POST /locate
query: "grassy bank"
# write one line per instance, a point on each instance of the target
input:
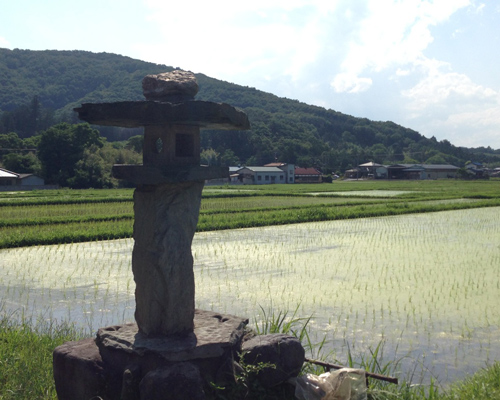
(26, 358)
(26, 369)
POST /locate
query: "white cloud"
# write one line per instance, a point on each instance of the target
(480, 8)
(323, 52)
(4, 42)
(470, 129)
(394, 34)
(227, 39)
(448, 89)
(350, 83)
(481, 118)
(484, 117)
(449, 105)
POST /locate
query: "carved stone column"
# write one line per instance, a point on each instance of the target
(165, 222)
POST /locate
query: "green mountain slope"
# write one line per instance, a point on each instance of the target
(282, 129)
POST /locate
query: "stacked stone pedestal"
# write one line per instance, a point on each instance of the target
(124, 364)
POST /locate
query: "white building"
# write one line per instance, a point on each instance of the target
(261, 175)
(288, 169)
(13, 181)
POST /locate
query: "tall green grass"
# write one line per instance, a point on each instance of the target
(26, 358)
(26, 365)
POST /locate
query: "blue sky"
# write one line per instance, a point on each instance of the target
(430, 65)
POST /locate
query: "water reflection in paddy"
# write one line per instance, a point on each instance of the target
(427, 285)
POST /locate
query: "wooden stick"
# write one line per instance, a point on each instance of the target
(389, 379)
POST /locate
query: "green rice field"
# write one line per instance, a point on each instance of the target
(71, 216)
(426, 285)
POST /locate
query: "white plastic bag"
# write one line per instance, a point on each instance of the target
(342, 384)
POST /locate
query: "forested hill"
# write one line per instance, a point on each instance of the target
(40, 88)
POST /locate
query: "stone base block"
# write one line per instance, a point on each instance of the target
(284, 352)
(115, 364)
(123, 364)
(178, 382)
(79, 372)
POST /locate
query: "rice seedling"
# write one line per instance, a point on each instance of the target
(68, 283)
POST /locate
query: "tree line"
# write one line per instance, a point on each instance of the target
(41, 88)
(69, 155)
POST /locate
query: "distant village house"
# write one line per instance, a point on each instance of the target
(402, 171)
(273, 173)
(422, 171)
(13, 181)
(308, 175)
(288, 169)
(261, 175)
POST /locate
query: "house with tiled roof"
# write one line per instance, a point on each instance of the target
(372, 170)
(476, 169)
(422, 171)
(308, 175)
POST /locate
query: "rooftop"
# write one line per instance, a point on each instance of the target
(306, 171)
(7, 174)
(264, 169)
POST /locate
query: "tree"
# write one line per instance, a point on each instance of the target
(379, 152)
(22, 164)
(27, 120)
(408, 159)
(113, 155)
(10, 141)
(209, 157)
(289, 154)
(90, 171)
(348, 137)
(229, 159)
(62, 146)
(135, 143)
(7, 122)
(34, 115)
(436, 159)
(43, 86)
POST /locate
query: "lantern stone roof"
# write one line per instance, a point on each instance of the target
(133, 114)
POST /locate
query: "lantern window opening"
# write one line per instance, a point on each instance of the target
(184, 145)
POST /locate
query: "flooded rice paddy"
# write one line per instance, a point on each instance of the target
(426, 285)
(365, 193)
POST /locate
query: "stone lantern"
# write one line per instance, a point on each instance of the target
(168, 329)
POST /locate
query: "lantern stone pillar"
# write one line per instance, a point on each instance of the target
(165, 222)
